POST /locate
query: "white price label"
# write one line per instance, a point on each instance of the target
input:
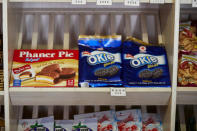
(104, 2)
(132, 2)
(78, 2)
(194, 3)
(157, 1)
(118, 91)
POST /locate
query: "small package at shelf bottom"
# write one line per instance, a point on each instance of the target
(44, 124)
(44, 68)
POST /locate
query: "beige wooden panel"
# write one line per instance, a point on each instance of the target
(186, 95)
(88, 96)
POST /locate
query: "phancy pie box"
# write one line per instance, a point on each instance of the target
(44, 68)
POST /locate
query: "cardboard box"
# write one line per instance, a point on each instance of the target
(45, 68)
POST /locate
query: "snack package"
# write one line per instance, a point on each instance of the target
(99, 61)
(187, 69)
(44, 68)
(63, 125)
(151, 122)
(46, 124)
(87, 124)
(144, 65)
(187, 36)
(106, 120)
(129, 120)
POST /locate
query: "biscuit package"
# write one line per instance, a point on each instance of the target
(144, 65)
(106, 120)
(151, 122)
(129, 120)
(63, 125)
(187, 69)
(41, 124)
(44, 68)
(99, 61)
(86, 124)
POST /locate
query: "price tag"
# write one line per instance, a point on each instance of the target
(157, 1)
(118, 92)
(194, 3)
(78, 2)
(104, 2)
(132, 2)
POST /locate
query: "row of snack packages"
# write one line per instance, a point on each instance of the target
(187, 62)
(101, 61)
(127, 120)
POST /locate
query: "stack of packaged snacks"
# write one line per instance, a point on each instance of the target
(44, 68)
(151, 122)
(187, 63)
(106, 120)
(144, 64)
(99, 61)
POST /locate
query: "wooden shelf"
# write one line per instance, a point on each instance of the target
(186, 1)
(88, 96)
(116, 1)
(1, 97)
(187, 95)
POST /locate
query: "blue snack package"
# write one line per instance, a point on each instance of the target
(99, 61)
(144, 65)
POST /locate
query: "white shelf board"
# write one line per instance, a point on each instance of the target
(116, 1)
(187, 95)
(1, 97)
(88, 96)
(186, 1)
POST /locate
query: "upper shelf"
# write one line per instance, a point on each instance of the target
(186, 1)
(116, 1)
(88, 96)
(187, 95)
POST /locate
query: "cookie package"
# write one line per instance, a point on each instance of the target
(86, 124)
(44, 124)
(129, 120)
(63, 125)
(44, 68)
(144, 65)
(99, 61)
(106, 119)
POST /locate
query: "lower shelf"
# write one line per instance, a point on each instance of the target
(187, 95)
(1, 97)
(88, 96)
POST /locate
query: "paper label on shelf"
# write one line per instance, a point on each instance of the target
(194, 3)
(157, 1)
(118, 91)
(104, 2)
(132, 2)
(78, 2)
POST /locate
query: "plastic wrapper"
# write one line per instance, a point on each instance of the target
(99, 61)
(144, 65)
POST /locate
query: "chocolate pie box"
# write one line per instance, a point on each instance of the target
(45, 68)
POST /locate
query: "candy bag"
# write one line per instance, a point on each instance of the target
(187, 69)
(89, 124)
(106, 120)
(144, 65)
(99, 61)
(63, 125)
(129, 120)
(151, 122)
(46, 124)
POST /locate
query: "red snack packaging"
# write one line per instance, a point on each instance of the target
(187, 69)
(45, 68)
